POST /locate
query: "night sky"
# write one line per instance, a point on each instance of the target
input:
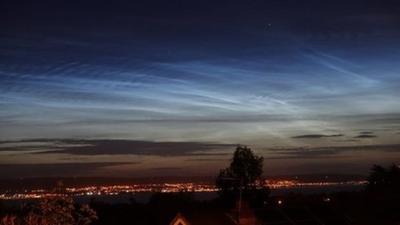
(169, 88)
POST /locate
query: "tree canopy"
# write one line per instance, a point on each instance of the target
(242, 176)
(384, 179)
(246, 166)
(52, 211)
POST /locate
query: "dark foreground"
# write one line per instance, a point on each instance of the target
(378, 203)
(341, 208)
(338, 208)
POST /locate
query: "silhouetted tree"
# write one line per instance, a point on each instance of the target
(384, 179)
(243, 176)
(383, 193)
(53, 211)
(59, 211)
(9, 220)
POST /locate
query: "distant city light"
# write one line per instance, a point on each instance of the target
(161, 187)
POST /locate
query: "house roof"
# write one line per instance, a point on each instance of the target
(179, 220)
(201, 217)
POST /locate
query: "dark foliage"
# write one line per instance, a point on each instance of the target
(51, 211)
(384, 180)
(243, 177)
(383, 192)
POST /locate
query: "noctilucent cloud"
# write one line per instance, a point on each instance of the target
(308, 85)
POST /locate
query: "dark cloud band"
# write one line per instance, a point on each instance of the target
(55, 169)
(318, 136)
(119, 147)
